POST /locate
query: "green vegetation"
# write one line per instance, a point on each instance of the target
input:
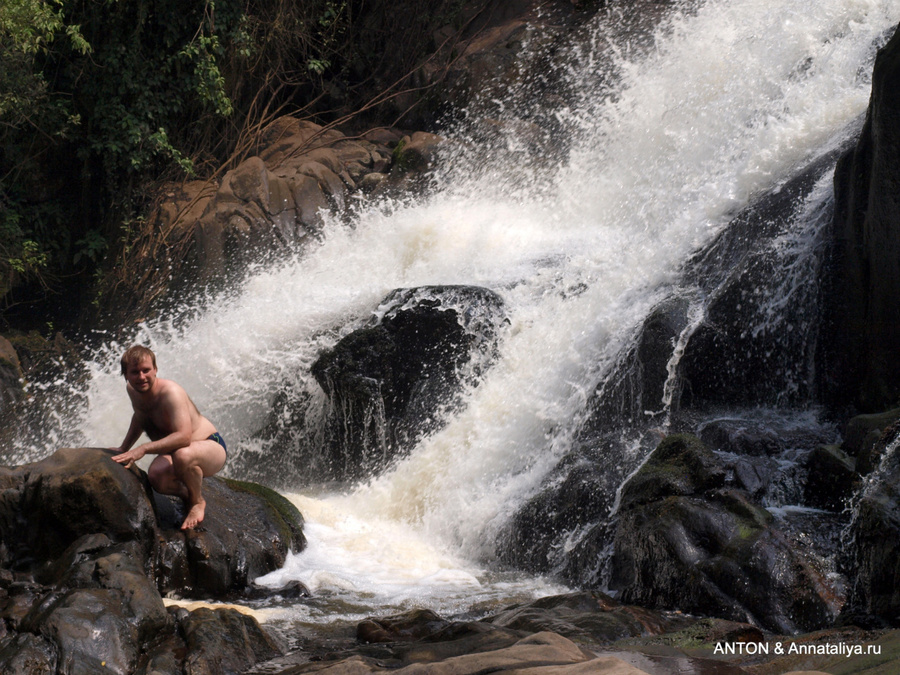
(101, 101)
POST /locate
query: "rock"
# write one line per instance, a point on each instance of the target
(587, 617)
(685, 543)
(98, 607)
(860, 430)
(741, 352)
(11, 376)
(74, 492)
(224, 641)
(164, 658)
(635, 393)
(248, 532)
(862, 304)
(78, 516)
(576, 499)
(201, 233)
(874, 448)
(28, 654)
(413, 625)
(90, 630)
(874, 545)
(393, 381)
(539, 653)
(417, 152)
(865, 438)
(830, 479)
(741, 438)
(681, 465)
(93, 562)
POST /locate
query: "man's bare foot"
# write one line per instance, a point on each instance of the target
(195, 515)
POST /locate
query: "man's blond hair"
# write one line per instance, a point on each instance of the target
(136, 354)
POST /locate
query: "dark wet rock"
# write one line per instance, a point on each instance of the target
(93, 592)
(576, 499)
(587, 616)
(874, 548)
(293, 590)
(681, 465)
(224, 641)
(394, 380)
(635, 393)
(81, 497)
(863, 307)
(166, 657)
(90, 628)
(866, 437)
(687, 544)
(92, 562)
(464, 649)
(870, 456)
(75, 492)
(28, 654)
(743, 352)
(413, 625)
(524, 638)
(741, 438)
(831, 478)
(578, 496)
(864, 430)
(21, 596)
(248, 532)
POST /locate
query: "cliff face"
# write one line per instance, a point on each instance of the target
(861, 368)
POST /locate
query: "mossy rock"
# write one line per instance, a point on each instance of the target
(285, 515)
(681, 465)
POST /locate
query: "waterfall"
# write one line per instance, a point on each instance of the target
(656, 150)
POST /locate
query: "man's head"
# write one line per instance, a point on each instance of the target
(139, 367)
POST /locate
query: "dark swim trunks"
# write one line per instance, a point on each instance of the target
(217, 437)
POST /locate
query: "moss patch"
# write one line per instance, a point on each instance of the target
(285, 515)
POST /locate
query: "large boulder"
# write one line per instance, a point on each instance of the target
(686, 541)
(86, 548)
(77, 495)
(272, 203)
(50, 504)
(393, 381)
(860, 346)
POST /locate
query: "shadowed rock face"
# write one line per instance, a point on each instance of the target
(860, 355)
(394, 381)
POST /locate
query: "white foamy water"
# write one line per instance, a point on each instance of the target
(731, 99)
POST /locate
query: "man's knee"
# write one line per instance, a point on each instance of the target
(184, 459)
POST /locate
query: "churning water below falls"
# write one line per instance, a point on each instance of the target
(663, 149)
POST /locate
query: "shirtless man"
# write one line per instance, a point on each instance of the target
(187, 445)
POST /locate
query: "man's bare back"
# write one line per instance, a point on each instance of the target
(187, 445)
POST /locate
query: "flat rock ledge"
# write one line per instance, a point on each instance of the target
(583, 633)
(87, 551)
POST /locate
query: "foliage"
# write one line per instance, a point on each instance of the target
(100, 99)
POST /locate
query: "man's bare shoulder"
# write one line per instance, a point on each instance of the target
(170, 391)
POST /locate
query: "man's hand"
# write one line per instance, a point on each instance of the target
(130, 457)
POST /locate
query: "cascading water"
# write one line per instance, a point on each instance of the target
(661, 151)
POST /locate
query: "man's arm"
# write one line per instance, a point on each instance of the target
(135, 429)
(175, 407)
